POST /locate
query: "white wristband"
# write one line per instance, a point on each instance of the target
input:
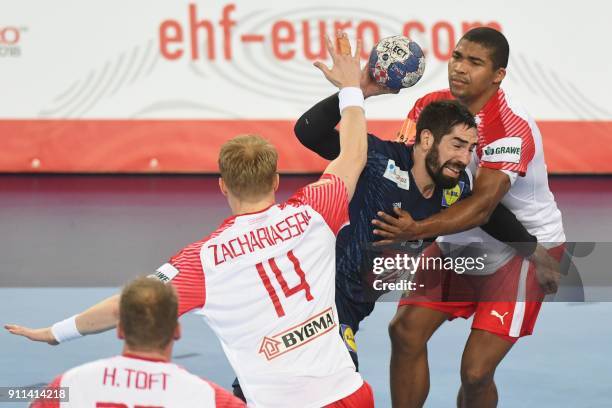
(65, 330)
(350, 96)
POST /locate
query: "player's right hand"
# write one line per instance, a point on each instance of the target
(346, 70)
(43, 335)
(370, 87)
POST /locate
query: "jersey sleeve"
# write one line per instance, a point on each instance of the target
(328, 197)
(184, 271)
(510, 148)
(316, 129)
(49, 403)
(225, 399)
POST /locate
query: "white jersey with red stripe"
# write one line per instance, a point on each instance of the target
(130, 381)
(509, 140)
(264, 282)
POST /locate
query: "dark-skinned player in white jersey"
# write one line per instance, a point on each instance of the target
(510, 170)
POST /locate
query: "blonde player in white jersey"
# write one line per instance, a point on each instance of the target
(143, 376)
(264, 280)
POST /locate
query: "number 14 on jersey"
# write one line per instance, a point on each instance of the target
(301, 286)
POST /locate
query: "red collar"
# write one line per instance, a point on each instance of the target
(137, 357)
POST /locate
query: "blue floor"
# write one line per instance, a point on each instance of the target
(567, 363)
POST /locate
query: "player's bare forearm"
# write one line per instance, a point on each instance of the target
(490, 187)
(100, 317)
(466, 214)
(346, 74)
(353, 146)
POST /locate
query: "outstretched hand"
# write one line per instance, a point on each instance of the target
(42, 335)
(346, 70)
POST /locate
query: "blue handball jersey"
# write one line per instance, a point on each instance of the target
(386, 182)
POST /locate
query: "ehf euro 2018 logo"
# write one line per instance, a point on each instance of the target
(10, 41)
(290, 339)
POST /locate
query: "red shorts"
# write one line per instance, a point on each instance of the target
(362, 398)
(494, 299)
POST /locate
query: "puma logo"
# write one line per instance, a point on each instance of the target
(501, 317)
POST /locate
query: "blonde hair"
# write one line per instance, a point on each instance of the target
(247, 164)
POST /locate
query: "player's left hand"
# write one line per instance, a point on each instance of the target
(393, 229)
(548, 270)
(44, 335)
(346, 69)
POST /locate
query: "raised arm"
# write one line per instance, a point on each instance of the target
(316, 128)
(346, 75)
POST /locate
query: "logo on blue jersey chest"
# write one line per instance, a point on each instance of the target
(398, 176)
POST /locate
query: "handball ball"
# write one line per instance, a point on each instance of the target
(396, 62)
